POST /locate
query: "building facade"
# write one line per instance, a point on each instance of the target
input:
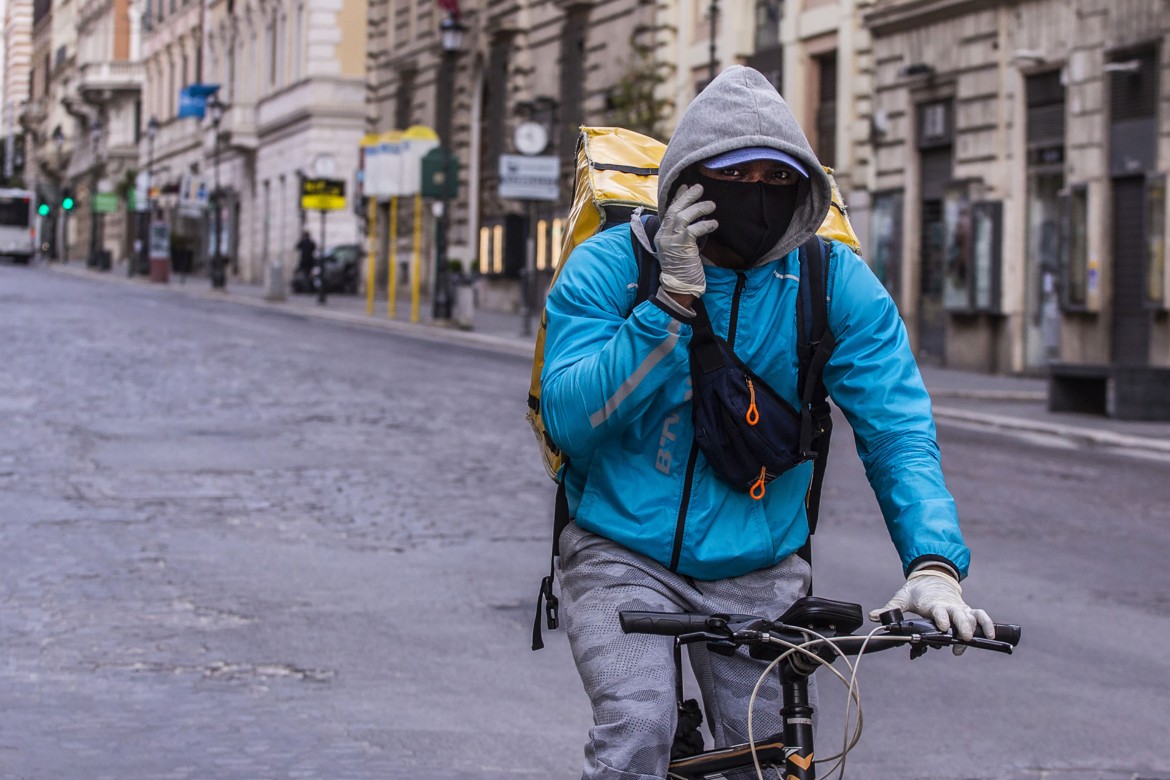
(172, 155)
(103, 95)
(292, 75)
(1018, 189)
(559, 64)
(51, 132)
(17, 46)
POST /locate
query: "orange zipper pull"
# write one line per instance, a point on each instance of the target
(753, 414)
(757, 491)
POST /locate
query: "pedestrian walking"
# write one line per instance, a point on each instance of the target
(655, 526)
(307, 249)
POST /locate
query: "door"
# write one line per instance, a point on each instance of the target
(1130, 339)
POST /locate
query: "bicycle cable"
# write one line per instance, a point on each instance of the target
(853, 693)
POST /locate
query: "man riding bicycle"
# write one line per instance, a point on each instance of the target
(654, 527)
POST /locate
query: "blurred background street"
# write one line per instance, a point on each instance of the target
(241, 541)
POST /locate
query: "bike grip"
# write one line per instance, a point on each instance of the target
(1004, 632)
(662, 623)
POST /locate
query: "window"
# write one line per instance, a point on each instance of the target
(826, 110)
(767, 24)
(972, 237)
(885, 250)
(1045, 97)
(404, 98)
(934, 124)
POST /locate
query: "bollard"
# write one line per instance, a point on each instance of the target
(463, 307)
(274, 290)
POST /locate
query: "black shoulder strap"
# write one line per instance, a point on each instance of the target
(648, 271)
(547, 604)
(545, 598)
(815, 344)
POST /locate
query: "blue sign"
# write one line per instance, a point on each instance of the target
(193, 99)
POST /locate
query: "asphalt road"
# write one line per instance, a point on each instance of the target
(237, 543)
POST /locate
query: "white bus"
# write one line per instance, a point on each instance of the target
(17, 225)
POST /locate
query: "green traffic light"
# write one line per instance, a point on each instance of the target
(43, 209)
(67, 204)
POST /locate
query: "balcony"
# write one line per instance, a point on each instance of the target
(237, 129)
(100, 81)
(312, 97)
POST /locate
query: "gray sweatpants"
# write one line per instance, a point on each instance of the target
(629, 678)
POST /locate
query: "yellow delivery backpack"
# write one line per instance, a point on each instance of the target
(617, 172)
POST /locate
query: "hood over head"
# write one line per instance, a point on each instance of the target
(741, 109)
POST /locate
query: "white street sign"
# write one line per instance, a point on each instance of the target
(534, 177)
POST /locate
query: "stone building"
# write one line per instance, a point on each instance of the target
(103, 96)
(292, 75)
(174, 153)
(558, 64)
(1018, 186)
(51, 133)
(17, 77)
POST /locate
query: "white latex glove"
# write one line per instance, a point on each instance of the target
(678, 249)
(936, 595)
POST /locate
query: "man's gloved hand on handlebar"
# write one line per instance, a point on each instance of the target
(935, 594)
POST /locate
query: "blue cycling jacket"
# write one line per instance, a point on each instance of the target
(616, 399)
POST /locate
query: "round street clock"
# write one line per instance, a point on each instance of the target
(324, 166)
(530, 138)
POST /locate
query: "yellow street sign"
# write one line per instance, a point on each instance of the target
(323, 195)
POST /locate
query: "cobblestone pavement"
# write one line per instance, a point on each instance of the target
(217, 525)
(240, 544)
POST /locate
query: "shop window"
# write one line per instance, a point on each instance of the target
(971, 246)
(884, 252)
(986, 240)
(1075, 254)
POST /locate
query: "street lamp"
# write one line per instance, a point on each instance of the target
(451, 40)
(59, 142)
(218, 262)
(145, 217)
(95, 140)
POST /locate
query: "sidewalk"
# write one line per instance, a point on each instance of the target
(1008, 403)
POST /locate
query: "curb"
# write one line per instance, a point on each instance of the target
(991, 395)
(438, 334)
(1087, 435)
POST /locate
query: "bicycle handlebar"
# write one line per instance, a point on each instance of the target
(752, 630)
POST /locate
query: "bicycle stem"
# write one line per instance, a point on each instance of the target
(798, 725)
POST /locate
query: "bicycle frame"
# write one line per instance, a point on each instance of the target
(790, 753)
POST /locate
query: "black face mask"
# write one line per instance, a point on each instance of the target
(752, 217)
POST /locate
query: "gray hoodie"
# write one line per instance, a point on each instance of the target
(741, 108)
